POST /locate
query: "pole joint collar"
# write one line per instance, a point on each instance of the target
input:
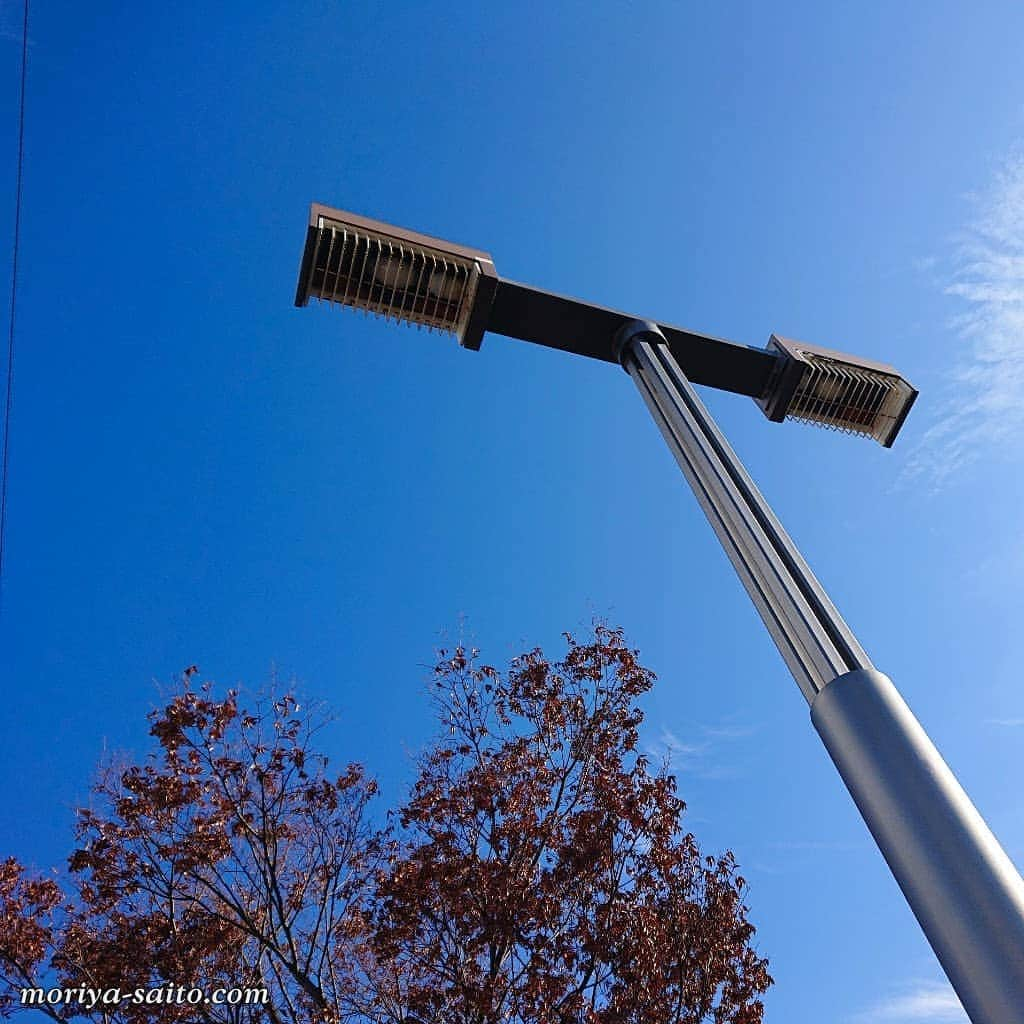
(646, 330)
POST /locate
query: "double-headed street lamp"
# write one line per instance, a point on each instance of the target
(965, 892)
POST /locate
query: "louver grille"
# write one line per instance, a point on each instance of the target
(394, 274)
(392, 280)
(838, 392)
(847, 398)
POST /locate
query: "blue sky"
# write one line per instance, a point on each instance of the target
(201, 473)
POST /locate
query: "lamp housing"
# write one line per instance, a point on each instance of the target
(396, 274)
(837, 391)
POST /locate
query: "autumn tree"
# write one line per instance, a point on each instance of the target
(538, 872)
(544, 875)
(230, 857)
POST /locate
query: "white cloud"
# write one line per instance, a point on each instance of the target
(701, 759)
(927, 1002)
(678, 755)
(729, 732)
(984, 408)
(1008, 723)
(813, 845)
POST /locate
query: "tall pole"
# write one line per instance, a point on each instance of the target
(962, 887)
(964, 890)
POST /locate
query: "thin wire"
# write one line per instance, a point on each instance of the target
(14, 298)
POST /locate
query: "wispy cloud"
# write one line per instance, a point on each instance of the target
(788, 856)
(814, 845)
(678, 756)
(928, 1002)
(1007, 723)
(729, 732)
(983, 410)
(701, 757)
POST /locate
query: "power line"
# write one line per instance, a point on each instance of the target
(14, 298)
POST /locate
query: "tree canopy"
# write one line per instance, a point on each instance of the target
(538, 871)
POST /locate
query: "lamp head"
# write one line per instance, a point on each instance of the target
(397, 274)
(837, 391)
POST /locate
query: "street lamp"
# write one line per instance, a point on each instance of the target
(965, 892)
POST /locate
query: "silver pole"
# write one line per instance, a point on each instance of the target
(963, 888)
(965, 892)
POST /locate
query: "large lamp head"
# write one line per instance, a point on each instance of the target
(836, 391)
(396, 274)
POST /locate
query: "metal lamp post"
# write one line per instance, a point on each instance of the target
(965, 892)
